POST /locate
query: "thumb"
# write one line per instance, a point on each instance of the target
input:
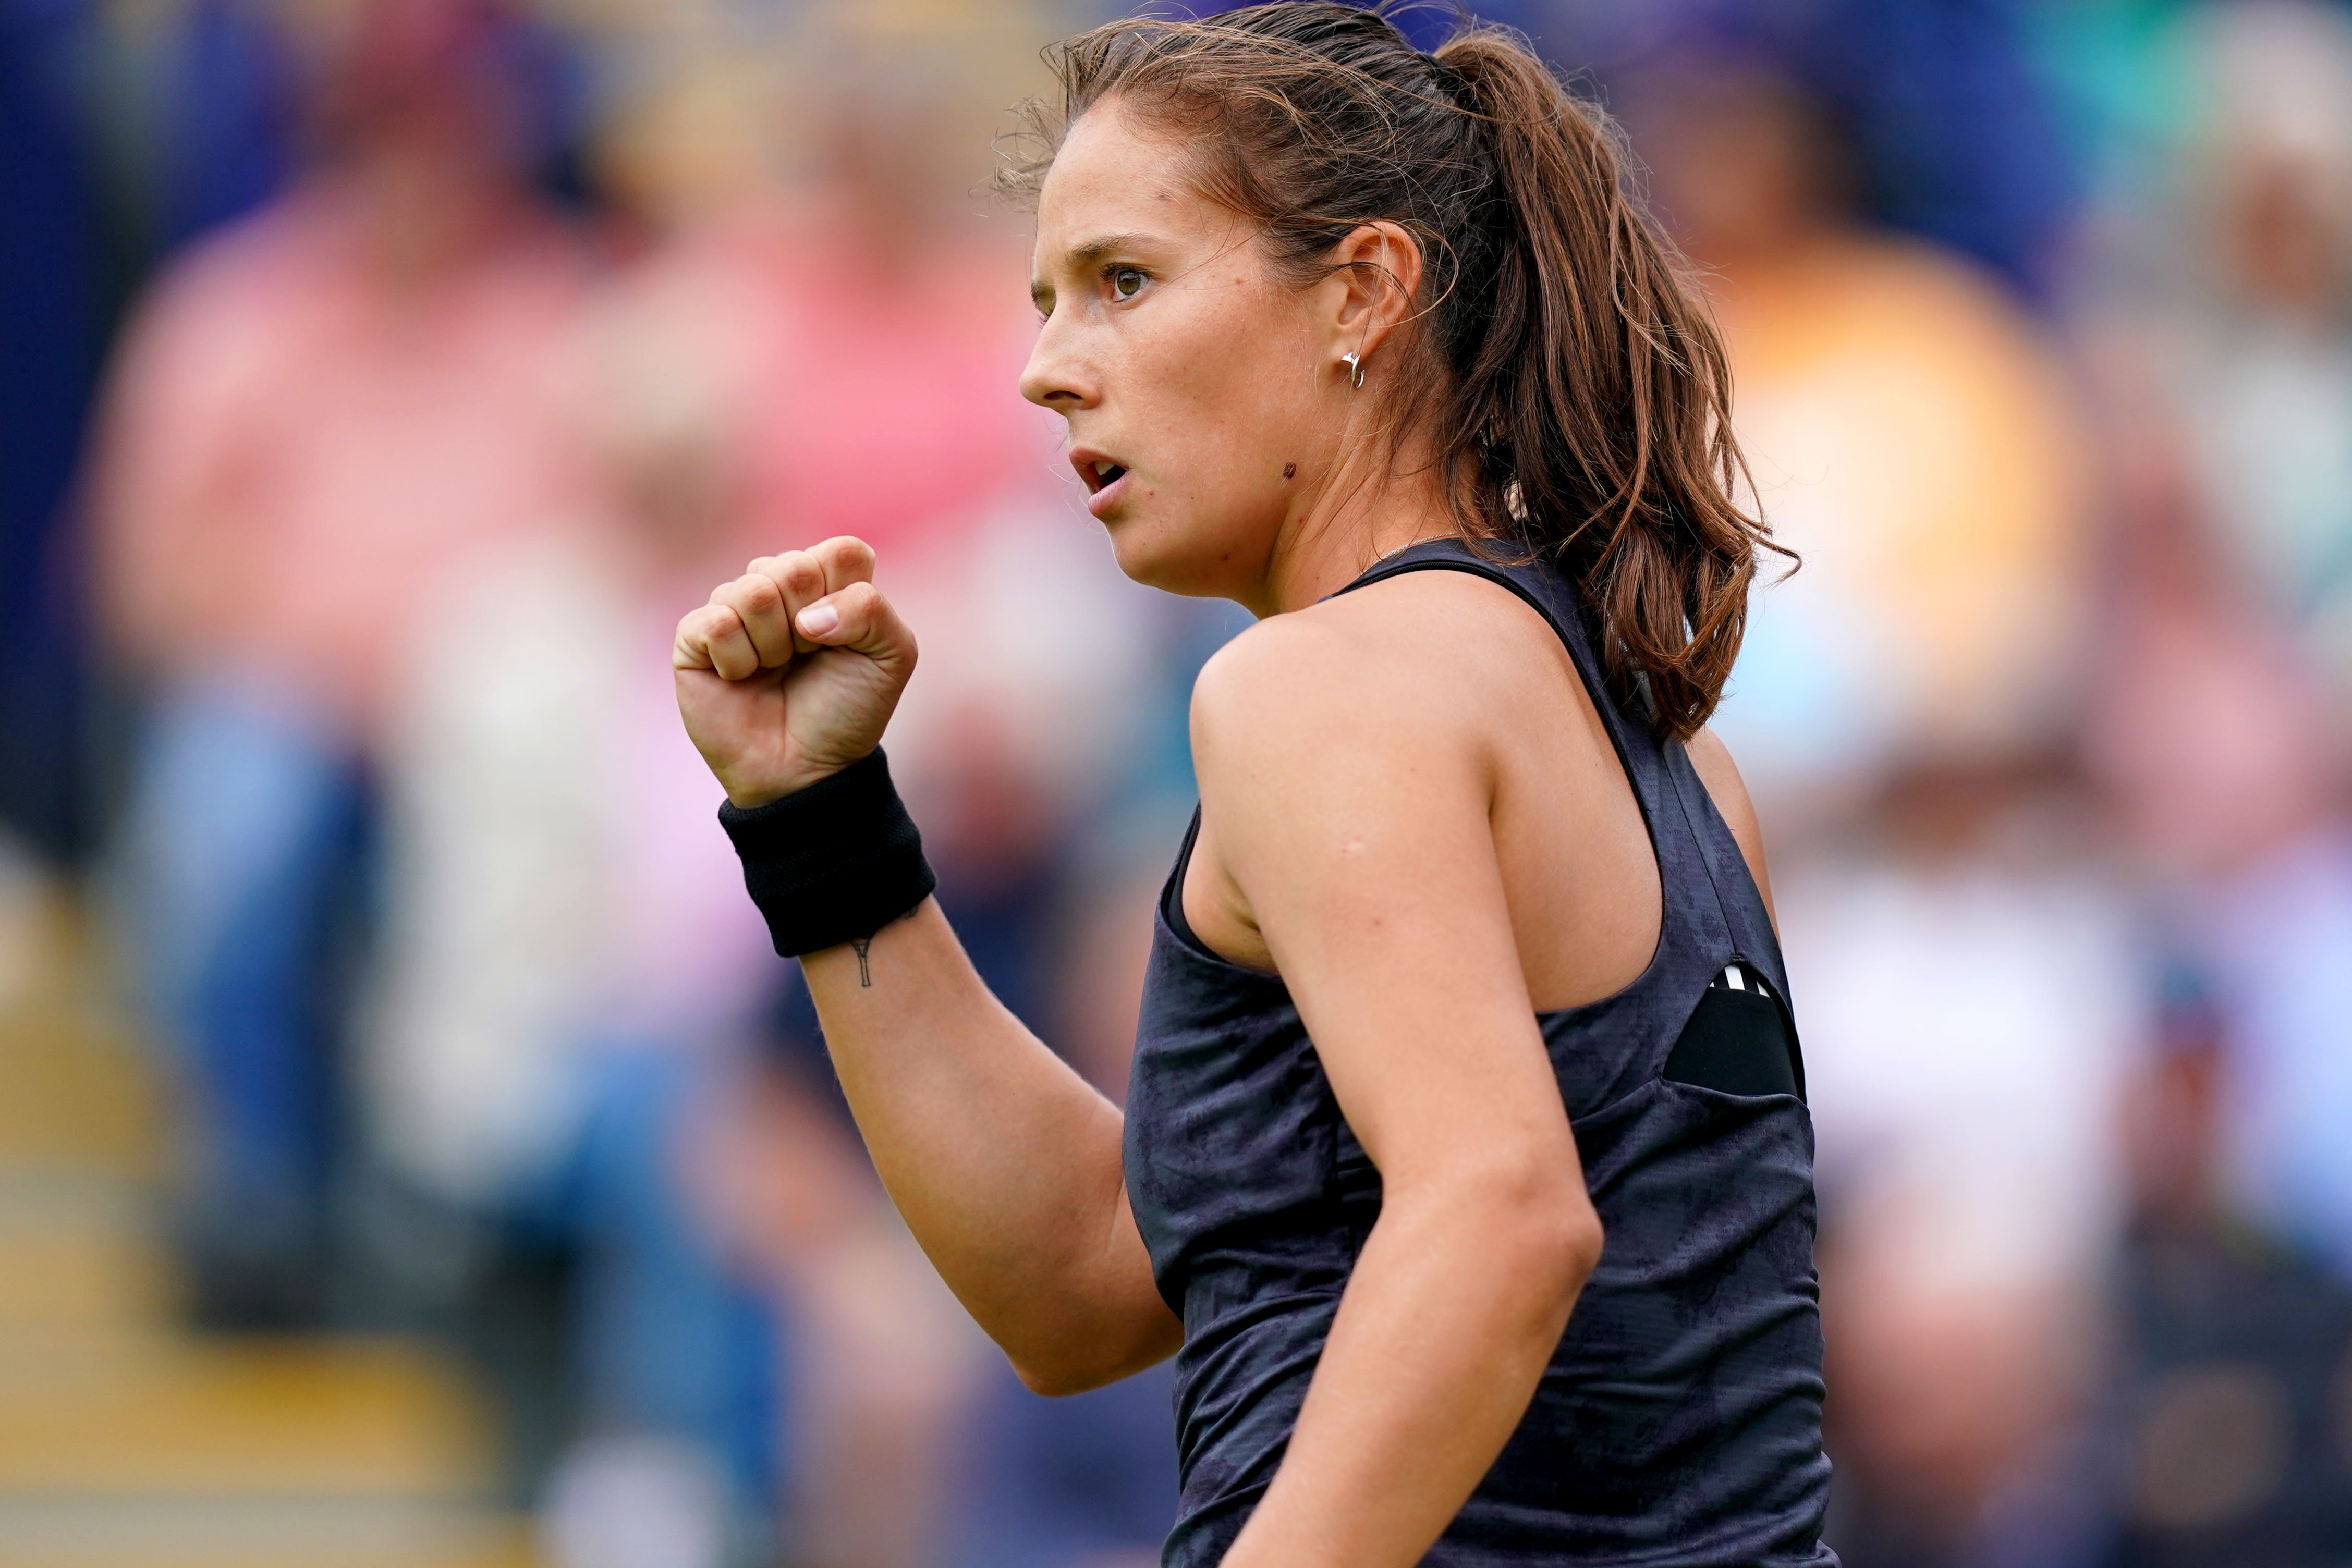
(860, 620)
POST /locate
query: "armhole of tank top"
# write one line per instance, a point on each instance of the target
(1172, 897)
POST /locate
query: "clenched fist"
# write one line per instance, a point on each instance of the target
(790, 672)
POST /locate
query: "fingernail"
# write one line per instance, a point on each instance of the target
(818, 620)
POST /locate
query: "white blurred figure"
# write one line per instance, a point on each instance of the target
(1972, 991)
(569, 975)
(635, 1502)
(553, 879)
(2255, 348)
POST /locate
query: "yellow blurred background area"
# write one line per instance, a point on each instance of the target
(412, 1154)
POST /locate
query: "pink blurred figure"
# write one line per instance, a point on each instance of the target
(318, 411)
(318, 415)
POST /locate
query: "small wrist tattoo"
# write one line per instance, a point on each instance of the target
(864, 946)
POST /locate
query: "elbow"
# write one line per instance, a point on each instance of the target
(1060, 1376)
(1077, 1361)
(1559, 1238)
(1055, 1380)
(1540, 1223)
(1579, 1248)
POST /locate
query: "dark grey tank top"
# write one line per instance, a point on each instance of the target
(1679, 1422)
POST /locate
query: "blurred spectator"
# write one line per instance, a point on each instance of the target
(568, 967)
(1908, 436)
(2224, 344)
(1971, 998)
(2249, 328)
(2218, 325)
(2219, 748)
(2230, 1441)
(315, 414)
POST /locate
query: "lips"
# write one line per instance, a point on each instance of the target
(1099, 472)
(1103, 477)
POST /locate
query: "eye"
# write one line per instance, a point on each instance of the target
(1125, 282)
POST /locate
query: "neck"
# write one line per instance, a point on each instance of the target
(426, 217)
(1368, 508)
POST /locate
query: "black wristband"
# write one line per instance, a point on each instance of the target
(832, 863)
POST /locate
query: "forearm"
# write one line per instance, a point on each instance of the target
(1448, 1321)
(1004, 1161)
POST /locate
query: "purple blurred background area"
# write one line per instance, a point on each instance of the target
(411, 1153)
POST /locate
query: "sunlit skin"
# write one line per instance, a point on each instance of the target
(1411, 812)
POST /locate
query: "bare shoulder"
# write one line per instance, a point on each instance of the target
(1348, 757)
(1711, 759)
(1409, 662)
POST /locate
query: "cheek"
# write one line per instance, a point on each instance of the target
(1230, 391)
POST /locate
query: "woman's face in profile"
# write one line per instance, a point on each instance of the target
(1200, 390)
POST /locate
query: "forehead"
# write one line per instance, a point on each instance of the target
(1115, 175)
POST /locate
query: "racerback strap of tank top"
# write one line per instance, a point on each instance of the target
(1732, 890)
(1660, 774)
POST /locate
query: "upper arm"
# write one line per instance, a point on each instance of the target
(1348, 795)
(177, 397)
(1712, 760)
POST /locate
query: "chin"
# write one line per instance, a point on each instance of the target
(1141, 551)
(1161, 553)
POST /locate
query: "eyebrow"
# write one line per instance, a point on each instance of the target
(1086, 255)
(1096, 249)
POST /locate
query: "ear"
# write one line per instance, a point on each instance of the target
(1377, 278)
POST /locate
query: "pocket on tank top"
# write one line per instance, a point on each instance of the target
(1740, 1040)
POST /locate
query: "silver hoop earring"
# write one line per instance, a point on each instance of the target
(1355, 367)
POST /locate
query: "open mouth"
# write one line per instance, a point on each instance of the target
(1101, 475)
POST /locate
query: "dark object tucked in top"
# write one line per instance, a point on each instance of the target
(1739, 1039)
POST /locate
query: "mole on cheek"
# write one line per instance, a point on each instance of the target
(1290, 470)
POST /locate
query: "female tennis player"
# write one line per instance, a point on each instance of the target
(1464, 1170)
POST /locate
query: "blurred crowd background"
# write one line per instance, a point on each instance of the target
(396, 1086)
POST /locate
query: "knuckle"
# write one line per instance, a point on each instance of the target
(760, 593)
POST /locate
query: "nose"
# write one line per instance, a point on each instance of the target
(1056, 376)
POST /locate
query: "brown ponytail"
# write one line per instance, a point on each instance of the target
(1576, 394)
